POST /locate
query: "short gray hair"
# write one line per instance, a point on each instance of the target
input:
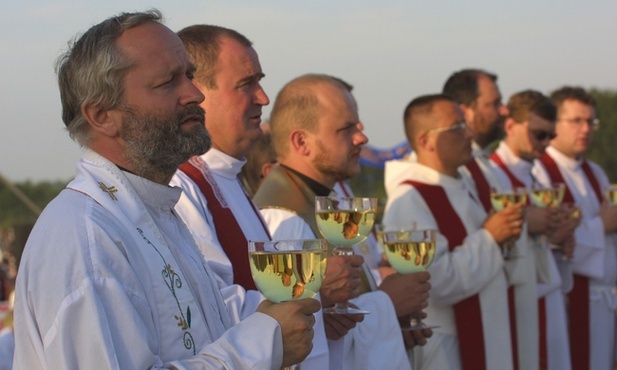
(92, 69)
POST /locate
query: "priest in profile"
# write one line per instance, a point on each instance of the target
(110, 277)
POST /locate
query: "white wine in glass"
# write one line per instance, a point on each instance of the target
(611, 194)
(550, 197)
(408, 252)
(501, 200)
(285, 270)
(547, 197)
(345, 222)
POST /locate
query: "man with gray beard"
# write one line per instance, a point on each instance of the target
(110, 277)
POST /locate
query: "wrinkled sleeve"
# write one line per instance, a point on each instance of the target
(239, 348)
(285, 224)
(116, 336)
(90, 311)
(376, 343)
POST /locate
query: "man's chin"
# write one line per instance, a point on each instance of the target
(582, 147)
(356, 171)
(466, 158)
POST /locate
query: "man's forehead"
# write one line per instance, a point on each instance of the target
(447, 107)
(487, 88)
(147, 34)
(575, 105)
(233, 54)
(444, 113)
(154, 45)
(330, 95)
(536, 121)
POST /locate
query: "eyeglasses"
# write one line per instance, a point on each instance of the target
(593, 123)
(542, 135)
(462, 125)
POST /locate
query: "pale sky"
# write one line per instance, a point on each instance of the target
(390, 50)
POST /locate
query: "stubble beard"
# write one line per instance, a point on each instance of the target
(156, 145)
(323, 164)
(484, 139)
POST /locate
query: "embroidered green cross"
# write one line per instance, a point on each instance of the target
(109, 190)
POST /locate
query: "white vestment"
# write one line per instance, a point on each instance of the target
(475, 267)
(595, 255)
(558, 348)
(376, 342)
(520, 271)
(7, 348)
(193, 209)
(111, 279)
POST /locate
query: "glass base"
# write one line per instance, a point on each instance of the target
(420, 326)
(344, 311)
(509, 252)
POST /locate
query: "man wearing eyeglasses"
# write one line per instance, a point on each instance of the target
(469, 288)
(593, 299)
(480, 100)
(528, 130)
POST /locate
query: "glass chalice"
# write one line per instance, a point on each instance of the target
(284, 270)
(501, 200)
(550, 197)
(547, 197)
(408, 252)
(345, 222)
(611, 194)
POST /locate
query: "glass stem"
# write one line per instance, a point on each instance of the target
(341, 307)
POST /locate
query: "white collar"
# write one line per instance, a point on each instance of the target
(153, 194)
(564, 160)
(477, 151)
(428, 175)
(103, 181)
(223, 164)
(518, 165)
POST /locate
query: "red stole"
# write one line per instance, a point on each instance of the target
(468, 312)
(344, 188)
(578, 298)
(516, 183)
(482, 185)
(228, 232)
(555, 174)
(592, 180)
(542, 338)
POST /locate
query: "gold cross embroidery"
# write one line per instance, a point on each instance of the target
(109, 190)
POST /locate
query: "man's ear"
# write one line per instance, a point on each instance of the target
(508, 124)
(423, 141)
(468, 112)
(266, 168)
(101, 119)
(299, 142)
